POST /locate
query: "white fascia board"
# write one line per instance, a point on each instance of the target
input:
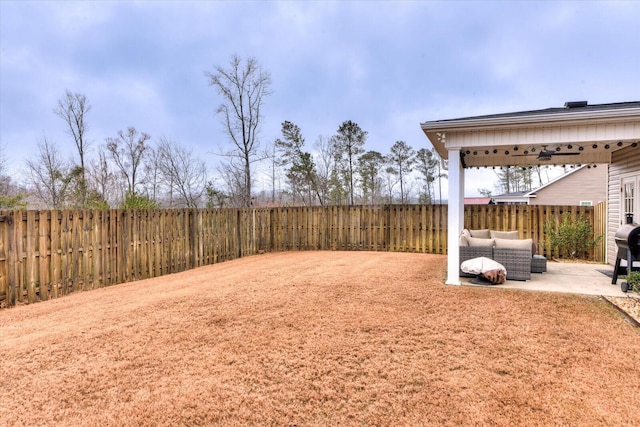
(532, 120)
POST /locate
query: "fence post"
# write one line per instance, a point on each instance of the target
(239, 232)
(12, 259)
(387, 234)
(271, 245)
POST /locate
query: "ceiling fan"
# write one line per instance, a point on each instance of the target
(545, 154)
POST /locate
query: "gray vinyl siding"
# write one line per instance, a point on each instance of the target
(586, 184)
(623, 162)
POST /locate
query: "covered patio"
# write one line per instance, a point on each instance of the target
(576, 134)
(570, 278)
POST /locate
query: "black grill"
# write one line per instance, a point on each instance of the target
(627, 240)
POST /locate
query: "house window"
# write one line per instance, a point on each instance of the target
(630, 200)
(586, 203)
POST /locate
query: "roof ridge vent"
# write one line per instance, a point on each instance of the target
(575, 104)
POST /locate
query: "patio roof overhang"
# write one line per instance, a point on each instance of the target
(514, 139)
(576, 134)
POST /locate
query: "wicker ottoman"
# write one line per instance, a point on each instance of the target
(538, 264)
(516, 261)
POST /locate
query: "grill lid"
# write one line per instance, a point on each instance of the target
(628, 237)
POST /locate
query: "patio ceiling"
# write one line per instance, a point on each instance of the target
(580, 134)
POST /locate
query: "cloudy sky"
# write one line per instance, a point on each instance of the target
(388, 66)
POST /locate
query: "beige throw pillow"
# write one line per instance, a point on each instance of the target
(480, 234)
(484, 243)
(504, 234)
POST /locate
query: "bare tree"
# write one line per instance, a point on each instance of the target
(275, 165)
(155, 185)
(49, 176)
(127, 151)
(102, 178)
(325, 165)
(73, 108)
(243, 87)
(232, 174)
(183, 173)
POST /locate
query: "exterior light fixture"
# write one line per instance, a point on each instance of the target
(515, 148)
(580, 148)
(475, 153)
(495, 151)
(594, 146)
(557, 148)
(486, 151)
(569, 146)
(619, 144)
(634, 145)
(506, 152)
(606, 146)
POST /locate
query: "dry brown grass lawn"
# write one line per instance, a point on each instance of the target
(317, 338)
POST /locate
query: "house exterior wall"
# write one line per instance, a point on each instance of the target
(625, 162)
(581, 186)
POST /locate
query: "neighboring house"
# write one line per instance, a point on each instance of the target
(583, 186)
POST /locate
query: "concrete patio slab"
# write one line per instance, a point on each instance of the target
(568, 277)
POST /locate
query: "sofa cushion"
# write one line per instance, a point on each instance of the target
(514, 244)
(480, 234)
(504, 234)
(477, 242)
(462, 240)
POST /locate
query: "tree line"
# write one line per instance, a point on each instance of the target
(132, 170)
(335, 170)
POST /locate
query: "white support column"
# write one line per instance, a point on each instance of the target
(455, 216)
(461, 202)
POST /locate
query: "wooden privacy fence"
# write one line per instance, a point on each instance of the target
(47, 254)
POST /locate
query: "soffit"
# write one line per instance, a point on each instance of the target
(509, 140)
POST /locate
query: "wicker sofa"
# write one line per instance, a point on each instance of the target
(518, 256)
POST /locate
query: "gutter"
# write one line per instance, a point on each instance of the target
(564, 118)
